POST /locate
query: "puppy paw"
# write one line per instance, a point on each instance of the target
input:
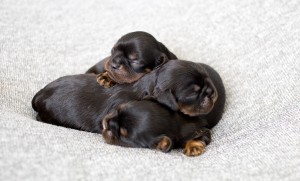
(194, 148)
(104, 80)
(164, 144)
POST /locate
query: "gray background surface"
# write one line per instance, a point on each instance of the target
(254, 45)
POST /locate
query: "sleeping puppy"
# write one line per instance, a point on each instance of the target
(148, 124)
(194, 89)
(134, 55)
(79, 102)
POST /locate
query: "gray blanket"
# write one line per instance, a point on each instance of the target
(254, 45)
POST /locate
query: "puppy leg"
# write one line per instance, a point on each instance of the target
(194, 148)
(196, 145)
(163, 143)
(104, 80)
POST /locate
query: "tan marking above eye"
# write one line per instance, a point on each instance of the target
(197, 88)
(148, 70)
(124, 132)
(133, 56)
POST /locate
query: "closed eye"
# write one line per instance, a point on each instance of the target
(192, 96)
(134, 61)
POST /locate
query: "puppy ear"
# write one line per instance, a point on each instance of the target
(160, 60)
(166, 51)
(163, 143)
(166, 98)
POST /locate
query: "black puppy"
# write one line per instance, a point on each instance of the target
(148, 124)
(194, 89)
(134, 55)
(79, 102)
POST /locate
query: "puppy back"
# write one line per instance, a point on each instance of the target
(34, 101)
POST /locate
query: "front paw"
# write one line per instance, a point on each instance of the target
(164, 144)
(194, 148)
(104, 80)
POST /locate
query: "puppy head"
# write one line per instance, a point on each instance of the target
(187, 87)
(137, 124)
(134, 55)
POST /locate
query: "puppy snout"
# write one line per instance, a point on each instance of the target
(209, 91)
(115, 66)
(109, 137)
(116, 63)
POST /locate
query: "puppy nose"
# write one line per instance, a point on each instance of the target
(115, 66)
(116, 62)
(209, 91)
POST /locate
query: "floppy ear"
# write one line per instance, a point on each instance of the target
(166, 98)
(166, 51)
(160, 60)
(163, 143)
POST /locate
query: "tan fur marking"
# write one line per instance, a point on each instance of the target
(194, 148)
(164, 144)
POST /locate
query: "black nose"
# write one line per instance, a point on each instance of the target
(115, 63)
(115, 66)
(209, 91)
